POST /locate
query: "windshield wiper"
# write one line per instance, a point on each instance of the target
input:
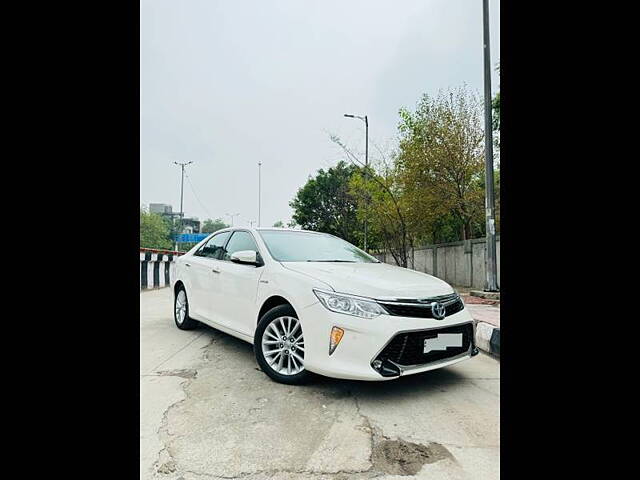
(337, 261)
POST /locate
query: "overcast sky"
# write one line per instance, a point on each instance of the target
(226, 84)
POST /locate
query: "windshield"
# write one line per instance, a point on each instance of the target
(288, 246)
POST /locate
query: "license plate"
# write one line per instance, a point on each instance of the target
(442, 342)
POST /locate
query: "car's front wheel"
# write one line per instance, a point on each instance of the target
(279, 346)
(181, 311)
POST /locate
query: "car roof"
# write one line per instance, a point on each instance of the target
(256, 230)
(262, 229)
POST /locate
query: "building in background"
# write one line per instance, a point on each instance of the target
(189, 224)
(160, 208)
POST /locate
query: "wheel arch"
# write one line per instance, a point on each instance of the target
(176, 288)
(271, 302)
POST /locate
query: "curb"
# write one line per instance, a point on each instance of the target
(485, 295)
(488, 338)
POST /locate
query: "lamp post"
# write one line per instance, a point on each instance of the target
(491, 265)
(182, 165)
(365, 119)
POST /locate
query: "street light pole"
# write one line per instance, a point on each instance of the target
(182, 165)
(365, 119)
(259, 190)
(491, 259)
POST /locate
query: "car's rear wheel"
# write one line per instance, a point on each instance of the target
(279, 346)
(181, 311)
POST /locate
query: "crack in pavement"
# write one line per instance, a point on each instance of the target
(181, 372)
(386, 455)
(177, 352)
(166, 463)
(399, 457)
(372, 432)
(340, 475)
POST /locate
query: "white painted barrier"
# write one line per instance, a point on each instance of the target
(157, 268)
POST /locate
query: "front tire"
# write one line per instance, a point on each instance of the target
(279, 346)
(181, 311)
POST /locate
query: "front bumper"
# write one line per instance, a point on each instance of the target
(364, 339)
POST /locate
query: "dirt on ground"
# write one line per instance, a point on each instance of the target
(398, 457)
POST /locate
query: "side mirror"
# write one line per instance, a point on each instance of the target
(247, 257)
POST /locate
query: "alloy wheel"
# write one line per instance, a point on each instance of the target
(181, 306)
(283, 345)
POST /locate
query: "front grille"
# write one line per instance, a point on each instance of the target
(452, 303)
(407, 349)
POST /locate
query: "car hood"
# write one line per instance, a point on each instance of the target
(376, 280)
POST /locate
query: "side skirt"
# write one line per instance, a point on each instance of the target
(234, 333)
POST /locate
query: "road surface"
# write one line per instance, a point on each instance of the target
(207, 412)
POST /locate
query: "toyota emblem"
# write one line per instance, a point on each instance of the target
(438, 310)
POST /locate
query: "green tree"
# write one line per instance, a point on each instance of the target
(154, 231)
(173, 225)
(278, 224)
(210, 226)
(324, 204)
(440, 159)
(381, 202)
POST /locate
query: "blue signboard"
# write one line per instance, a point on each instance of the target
(191, 237)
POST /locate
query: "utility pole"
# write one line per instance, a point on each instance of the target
(366, 175)
(491, 262)
(259, 190)
(365, 119)
(182, 165)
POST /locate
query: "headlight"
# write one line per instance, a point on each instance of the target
(349, 305)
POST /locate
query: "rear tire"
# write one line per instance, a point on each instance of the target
(278, 323)
(181, 311)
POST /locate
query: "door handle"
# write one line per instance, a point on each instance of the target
(215, 270)
(187, 264)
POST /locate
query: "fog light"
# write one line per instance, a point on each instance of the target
(336, 336)
(377, 364)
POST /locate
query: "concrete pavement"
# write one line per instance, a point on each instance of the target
(207, 412)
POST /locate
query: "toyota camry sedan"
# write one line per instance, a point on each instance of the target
(310, 302)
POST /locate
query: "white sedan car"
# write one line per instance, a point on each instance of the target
(311, 302)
